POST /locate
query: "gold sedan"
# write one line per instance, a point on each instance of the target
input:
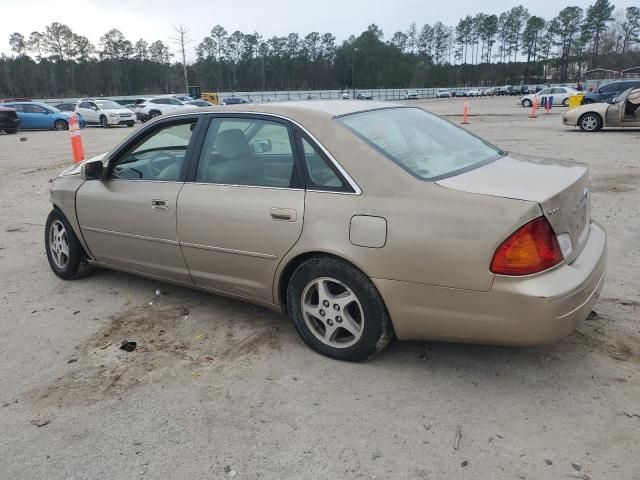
(362, 221)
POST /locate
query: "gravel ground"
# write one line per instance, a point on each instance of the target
(218, 388)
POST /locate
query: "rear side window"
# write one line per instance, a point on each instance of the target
(321, 175)
(425, 145)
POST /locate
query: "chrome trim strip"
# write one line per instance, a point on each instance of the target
(249, 186)
(229, 250)
(129, 235)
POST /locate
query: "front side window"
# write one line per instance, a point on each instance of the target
(247, 151)
(159, 156)
(425, 145)
(546, 91)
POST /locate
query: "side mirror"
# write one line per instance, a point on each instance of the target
(93, 170)
(262, 146)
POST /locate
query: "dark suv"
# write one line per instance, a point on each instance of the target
(610, 90)
(9, 121)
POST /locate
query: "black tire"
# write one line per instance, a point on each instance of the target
(154, 113)
(565, 102)
(375, 322)
(526, 103)
(104, 123)
(590, 122)
(11, 131)
(76, 265)
(131, 124)
(60, 125)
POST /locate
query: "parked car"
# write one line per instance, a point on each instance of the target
(458, 92)
(560, 96)
(148, 108)
(345, 96)
(502, 91)
(234, 101)
(199, 103)
(443, 93)
(9, 121)
(351, 265)
(610, 90)
(623, 111)
(473, 93)
(105, 113)
(183, 98)
(40, 116)
(66, 107)
(411, 95)
(364, 96)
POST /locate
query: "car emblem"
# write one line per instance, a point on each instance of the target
(553, 211)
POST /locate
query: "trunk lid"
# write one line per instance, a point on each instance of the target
(560, 188)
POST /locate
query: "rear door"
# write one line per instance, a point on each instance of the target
(129, 219)
(245, 208)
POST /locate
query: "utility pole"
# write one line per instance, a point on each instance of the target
(182, 39)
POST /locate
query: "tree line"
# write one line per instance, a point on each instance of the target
(483, 49)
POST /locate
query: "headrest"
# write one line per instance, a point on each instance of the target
(232, 144)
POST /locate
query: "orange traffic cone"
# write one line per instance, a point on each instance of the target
(76, 139)
(534, 107)
(465, 115)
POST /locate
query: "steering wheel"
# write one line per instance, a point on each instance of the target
(154, 167)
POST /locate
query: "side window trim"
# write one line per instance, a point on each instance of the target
(297, 176)
(144, 133)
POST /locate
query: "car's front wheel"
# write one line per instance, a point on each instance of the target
(565, 102)
(590, 122)
(104, 123)
(526, 102)
(337, 310)
(64, 252)
(131, 124)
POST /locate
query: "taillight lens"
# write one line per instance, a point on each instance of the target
(531, 249)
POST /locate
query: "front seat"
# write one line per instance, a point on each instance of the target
(239, 164)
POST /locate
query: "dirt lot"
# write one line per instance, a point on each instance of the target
(218, 388)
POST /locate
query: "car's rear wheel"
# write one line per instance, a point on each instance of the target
(526, 102)
(64, 252)
(60, 125)
(104, 123)
(590, 122)
(131, 124)
(337, 310)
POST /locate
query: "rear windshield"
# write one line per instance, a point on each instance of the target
(425, 145)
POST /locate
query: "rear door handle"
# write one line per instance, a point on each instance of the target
(284, 214)
(159, 204)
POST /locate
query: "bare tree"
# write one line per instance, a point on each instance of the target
(182, 40)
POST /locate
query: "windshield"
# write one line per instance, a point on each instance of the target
(425, 145)
(108, 104)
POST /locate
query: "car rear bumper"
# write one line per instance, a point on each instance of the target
(518, 311)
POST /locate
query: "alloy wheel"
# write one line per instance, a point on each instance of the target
(589, 123)
(59, 244)
(332, 312)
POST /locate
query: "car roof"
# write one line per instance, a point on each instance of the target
(299, 110)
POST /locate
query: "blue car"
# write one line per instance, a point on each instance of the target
(610, 90)
(40, 116)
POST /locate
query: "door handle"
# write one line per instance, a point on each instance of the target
(159, 204)
(284, 214)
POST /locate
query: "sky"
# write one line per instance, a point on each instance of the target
(154, 19)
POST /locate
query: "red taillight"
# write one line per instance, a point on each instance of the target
(531, 249)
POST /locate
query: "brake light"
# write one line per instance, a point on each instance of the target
(531, 249)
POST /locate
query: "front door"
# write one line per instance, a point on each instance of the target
(129, 219)
(245, 209)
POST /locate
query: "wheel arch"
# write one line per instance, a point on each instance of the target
(291, 264)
